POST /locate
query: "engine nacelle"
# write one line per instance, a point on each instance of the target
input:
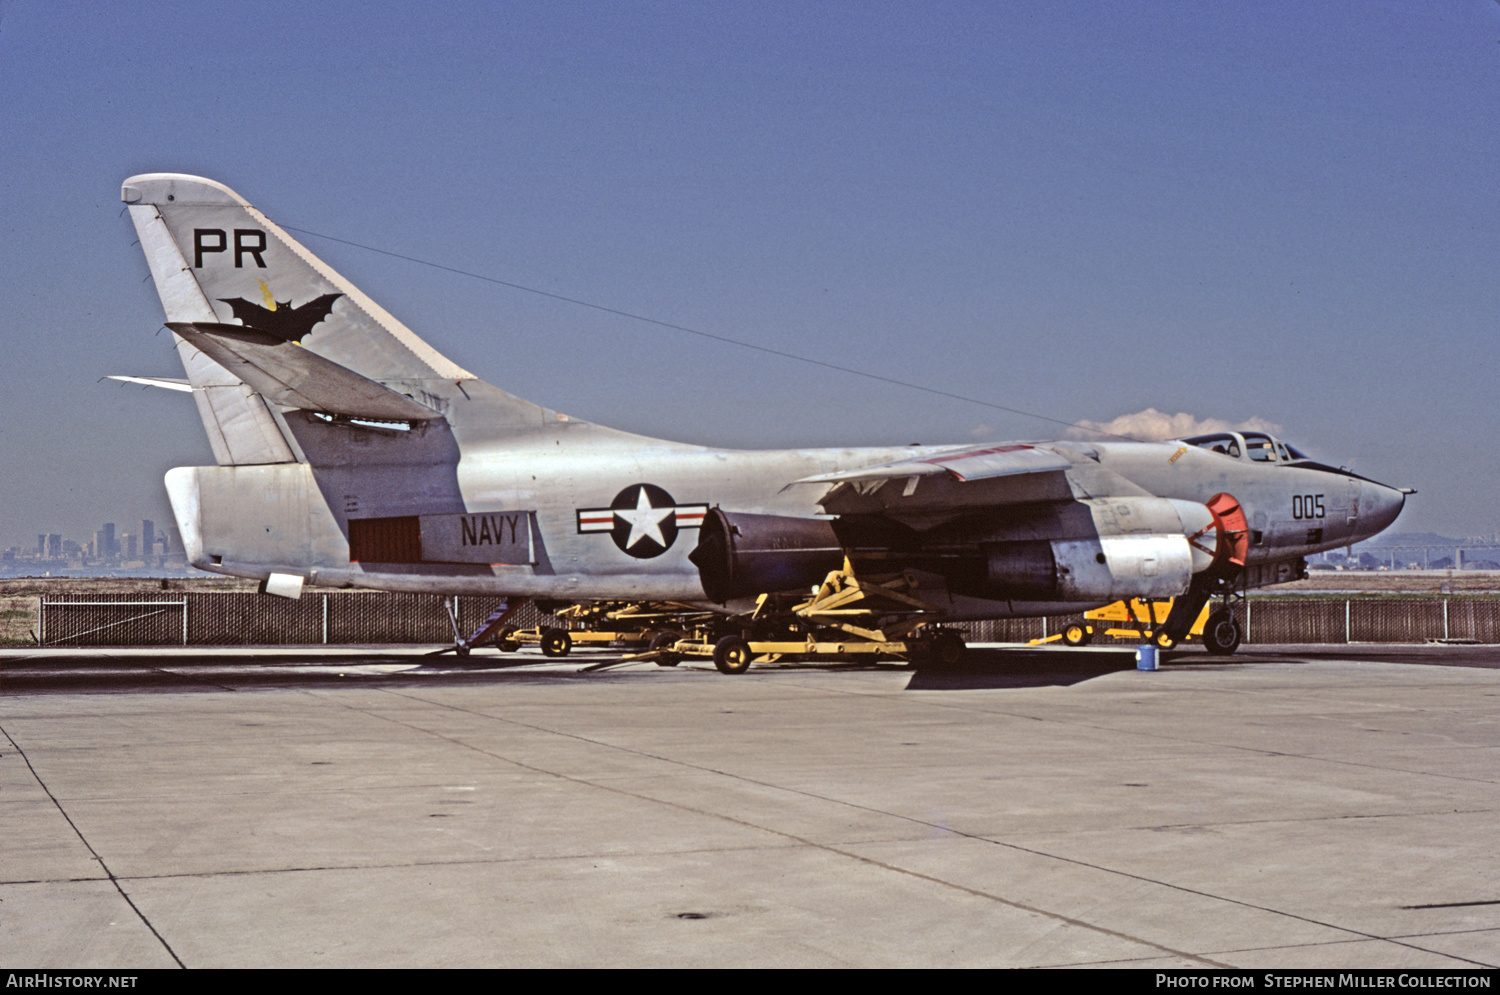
(1115, 567)
(1217, 535)
(1106, 568)
(741, 555)
(1140, 547)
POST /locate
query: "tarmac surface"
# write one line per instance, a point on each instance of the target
(1330, 806)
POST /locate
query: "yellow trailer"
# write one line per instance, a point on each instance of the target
(1137, 620)
(605, 623)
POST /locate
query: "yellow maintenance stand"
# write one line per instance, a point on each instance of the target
(847, 618)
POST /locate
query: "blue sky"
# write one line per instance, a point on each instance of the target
(1275, 211)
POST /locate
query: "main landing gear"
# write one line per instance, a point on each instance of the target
(848, 619)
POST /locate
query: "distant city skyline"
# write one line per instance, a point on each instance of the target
(105, 544)
(26, 539)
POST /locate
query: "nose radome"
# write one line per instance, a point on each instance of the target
(1381, 506)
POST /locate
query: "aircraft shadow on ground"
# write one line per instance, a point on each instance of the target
(1021, 668)
(995, 668)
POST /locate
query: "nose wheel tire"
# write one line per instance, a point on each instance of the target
(1221, 634)
(732, 655)
(556, 642)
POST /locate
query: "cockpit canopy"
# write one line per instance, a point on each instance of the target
(1258, 447)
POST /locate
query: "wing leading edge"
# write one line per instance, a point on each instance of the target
(948, 482)
(982, 463)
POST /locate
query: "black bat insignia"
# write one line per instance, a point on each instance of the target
(286, 322)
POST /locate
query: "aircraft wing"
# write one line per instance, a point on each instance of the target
(284, 373)
(167, 383)
(970, 463)
(953, 481)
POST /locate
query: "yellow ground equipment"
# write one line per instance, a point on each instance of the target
(605, 623)
(846, 618)
(1139, 620)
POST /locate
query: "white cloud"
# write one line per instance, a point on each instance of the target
(1155, 426)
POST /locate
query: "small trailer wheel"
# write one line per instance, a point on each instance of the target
(948, 649)
(556, 642)
(661, 644)
(939, 651)
(1077, 634)
(732, 655)
(505, 640)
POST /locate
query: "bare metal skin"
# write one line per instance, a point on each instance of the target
(351, 453)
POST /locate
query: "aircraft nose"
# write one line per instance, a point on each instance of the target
(1379, 507)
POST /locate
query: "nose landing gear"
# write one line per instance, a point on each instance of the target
(1221, 633)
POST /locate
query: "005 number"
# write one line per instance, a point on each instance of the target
(1307, 506)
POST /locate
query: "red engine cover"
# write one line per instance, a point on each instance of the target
(1232, 542)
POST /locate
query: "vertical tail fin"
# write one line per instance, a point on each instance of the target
(223, 268)
(217, 259)
(240, 427)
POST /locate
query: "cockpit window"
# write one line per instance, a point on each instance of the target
(1221, 442)
(1261, 447)
(1258, 446)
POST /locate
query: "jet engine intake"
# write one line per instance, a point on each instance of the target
(1216, 531)
(740, 555)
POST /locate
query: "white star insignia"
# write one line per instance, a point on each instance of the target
(645, 521)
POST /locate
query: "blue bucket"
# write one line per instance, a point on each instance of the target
(1145, 657)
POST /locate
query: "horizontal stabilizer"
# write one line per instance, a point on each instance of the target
(969, 463)
(284, 373)
(169, 383)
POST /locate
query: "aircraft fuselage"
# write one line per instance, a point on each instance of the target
(350, 452)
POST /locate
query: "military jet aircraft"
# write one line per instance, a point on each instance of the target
(351, 453)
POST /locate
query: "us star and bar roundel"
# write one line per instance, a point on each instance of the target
(643, 520)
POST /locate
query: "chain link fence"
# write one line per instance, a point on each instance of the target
(360, 618)
(259, 620)
(1369, 620)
